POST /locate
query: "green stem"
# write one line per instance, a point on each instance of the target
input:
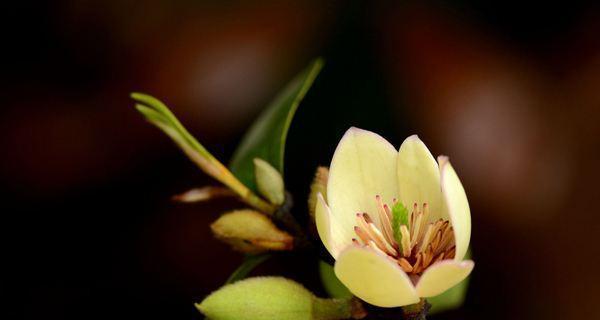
(331, 309)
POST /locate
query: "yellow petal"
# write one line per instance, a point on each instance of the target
(443, 276)
(457, 206)
(333, 237)
(419, 178)
(374, 278)
(362, 167)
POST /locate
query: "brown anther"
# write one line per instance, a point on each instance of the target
(364, 237)
(367, 218)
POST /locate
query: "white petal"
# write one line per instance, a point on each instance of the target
(362, 167)
(443, 276)
(457, 206)
(419, 178)
(333, 237)
(374, 278)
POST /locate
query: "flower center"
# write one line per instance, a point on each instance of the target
(420, 244)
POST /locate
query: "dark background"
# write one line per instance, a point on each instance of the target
(510, 91)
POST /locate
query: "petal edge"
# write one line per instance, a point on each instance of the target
(374, 278)
(362, 167)
(443, 276)
(457, 206)
(331, 235)
(419, 177)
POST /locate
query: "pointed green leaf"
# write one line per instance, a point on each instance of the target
(159, 114)
(266, 138)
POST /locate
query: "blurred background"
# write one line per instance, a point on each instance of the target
(510, 91)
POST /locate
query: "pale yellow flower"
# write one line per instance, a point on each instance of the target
(367, 176)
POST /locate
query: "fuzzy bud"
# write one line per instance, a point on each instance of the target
(269, 182)
(262, 298)
(251, 232)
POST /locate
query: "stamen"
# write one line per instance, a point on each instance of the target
(416, 230)
(446, 239)
(374, 246)
(425, 239)
(436, 240)
(417, 265)
(405, 265)
(438, 258)
(379, 239)
(388, 211)
(423, 242)
(361, 234)
(385, 223)
(451, 252)
(428, 256)
(367, 231)
(405, 240)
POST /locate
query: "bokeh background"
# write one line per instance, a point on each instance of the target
(509, 90)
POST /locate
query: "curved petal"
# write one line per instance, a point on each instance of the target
(362, 167)
(458, 207)
(443, 276)
(333, 237)
(419, 178)
(374, 278)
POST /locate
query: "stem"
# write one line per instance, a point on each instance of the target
(159, 115)
(416, 311)
(331, 309)
(217, 170)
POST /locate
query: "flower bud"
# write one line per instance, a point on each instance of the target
(269, 181)
(203, 194)
(262, 298)
(319, 184)
(251, 232)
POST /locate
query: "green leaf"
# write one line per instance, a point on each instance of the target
(453, 298)
(334, 287)
(250, 262)
(266, 137)
(159, 115)
(399, 218)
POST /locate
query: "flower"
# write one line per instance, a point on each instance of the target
(385, 255)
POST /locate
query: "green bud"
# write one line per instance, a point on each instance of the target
(269, 181)
(319, 184)
(266, 298)
(251, 232)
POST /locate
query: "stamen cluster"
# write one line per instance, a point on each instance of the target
(421, 243)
